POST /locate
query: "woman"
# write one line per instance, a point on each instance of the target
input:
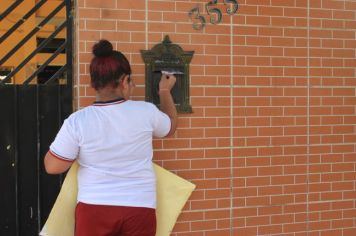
(112, 141)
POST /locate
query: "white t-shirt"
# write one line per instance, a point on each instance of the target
(113, 144)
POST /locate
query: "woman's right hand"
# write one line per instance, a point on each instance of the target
(167, 82)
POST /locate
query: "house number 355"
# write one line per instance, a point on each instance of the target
(213, 12)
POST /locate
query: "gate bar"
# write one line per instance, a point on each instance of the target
(57, 74)
(29, 57)
(54, 55)
(34, 31)
(16, 157)
(10, 9)
(69, 36)
(22, 20)
(38, 123)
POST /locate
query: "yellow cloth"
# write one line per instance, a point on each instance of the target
(172, 194)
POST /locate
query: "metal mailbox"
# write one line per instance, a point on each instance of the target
(171, 58)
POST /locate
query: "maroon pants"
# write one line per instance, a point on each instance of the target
(101, 220)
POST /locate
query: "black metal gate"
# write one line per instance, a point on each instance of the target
(30, 116)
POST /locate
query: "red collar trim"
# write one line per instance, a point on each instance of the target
(108, 103)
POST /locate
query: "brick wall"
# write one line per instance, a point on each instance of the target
(271, 142)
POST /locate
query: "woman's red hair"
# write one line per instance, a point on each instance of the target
(107, 66)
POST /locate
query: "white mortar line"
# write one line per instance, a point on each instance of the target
(231, 127)
(76, 45)
(308, 113)
(146, 24)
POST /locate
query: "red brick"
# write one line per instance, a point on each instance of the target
(279, 130)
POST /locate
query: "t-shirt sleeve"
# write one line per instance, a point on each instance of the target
(161, 123)
(66, 145)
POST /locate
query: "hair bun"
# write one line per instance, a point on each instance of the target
(103, 48)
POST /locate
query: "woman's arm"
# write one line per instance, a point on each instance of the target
(54, 165)
(167, 105)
